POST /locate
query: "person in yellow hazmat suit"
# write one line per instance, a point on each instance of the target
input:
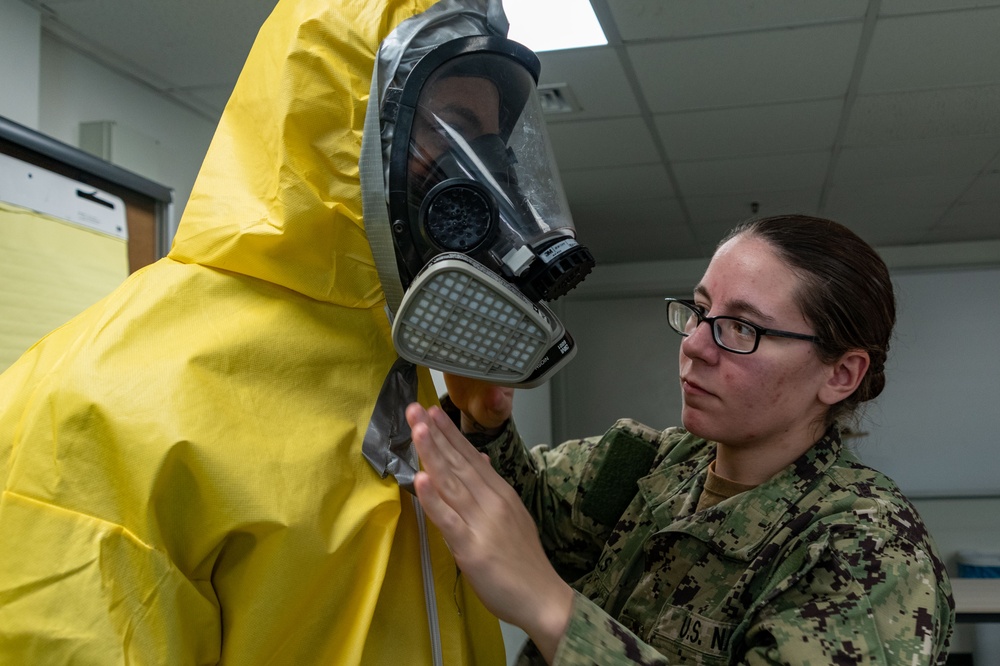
(212, 465)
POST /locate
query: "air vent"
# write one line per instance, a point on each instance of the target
(557, 98)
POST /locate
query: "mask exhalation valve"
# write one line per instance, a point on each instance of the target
(558, 269)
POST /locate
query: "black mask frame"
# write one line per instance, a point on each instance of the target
(408, 234)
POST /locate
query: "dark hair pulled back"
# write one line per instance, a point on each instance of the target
(846, 293)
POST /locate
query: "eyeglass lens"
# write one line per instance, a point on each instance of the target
(681, 317)
(730, 334)
(734, 334)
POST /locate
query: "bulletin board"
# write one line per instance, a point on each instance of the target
(72, 228)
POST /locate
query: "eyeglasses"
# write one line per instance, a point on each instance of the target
(735, 335)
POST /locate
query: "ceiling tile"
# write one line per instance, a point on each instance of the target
(956, 158)
(173, 45)
(939, 50)
(927, 114)
(666, 19)
(602, 143)
(595, 78)
(587, 186)
(730, 208)
(985, 189)
(753, 130)
(802, 171)
(963, 233)
(740, 70)
(891, 7)
(890, 225)
(968, 222)
(859, 196)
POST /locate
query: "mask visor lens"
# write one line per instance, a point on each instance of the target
(478, 118)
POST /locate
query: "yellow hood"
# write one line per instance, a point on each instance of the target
(278, 197)
(181, 464)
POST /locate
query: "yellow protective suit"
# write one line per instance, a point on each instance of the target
(181, 465)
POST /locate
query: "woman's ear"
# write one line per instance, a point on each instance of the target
(843, 376)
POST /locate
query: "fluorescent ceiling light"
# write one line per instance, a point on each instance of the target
(550, 25)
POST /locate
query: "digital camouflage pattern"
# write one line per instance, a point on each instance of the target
(825, 563)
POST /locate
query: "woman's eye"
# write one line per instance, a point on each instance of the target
(743, 329)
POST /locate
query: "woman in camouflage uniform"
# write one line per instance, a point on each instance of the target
(750, 535)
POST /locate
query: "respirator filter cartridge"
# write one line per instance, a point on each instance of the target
(459, 317)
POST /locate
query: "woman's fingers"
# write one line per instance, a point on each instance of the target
(467, 473)
(437, 509)
(493, 538)
(479, 473)
(444, 455)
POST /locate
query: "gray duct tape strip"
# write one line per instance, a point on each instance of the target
(497, 19)
(387, 444)
(376, 211)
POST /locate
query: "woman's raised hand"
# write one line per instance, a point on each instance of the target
(492, 536)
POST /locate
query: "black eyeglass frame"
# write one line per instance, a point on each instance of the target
(759, 330)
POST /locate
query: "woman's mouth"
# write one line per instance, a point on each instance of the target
(693, 388)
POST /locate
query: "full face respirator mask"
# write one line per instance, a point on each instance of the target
(479, 222)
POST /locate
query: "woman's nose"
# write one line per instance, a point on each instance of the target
(699, 342)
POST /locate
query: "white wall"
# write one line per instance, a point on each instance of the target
(50, 87)
(20, 28)
(934, 428)
(75, 89)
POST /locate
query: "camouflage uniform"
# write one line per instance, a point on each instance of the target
(825, 563)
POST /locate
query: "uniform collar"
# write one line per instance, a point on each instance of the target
(739, 526)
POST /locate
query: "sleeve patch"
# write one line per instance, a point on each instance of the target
(627, 459)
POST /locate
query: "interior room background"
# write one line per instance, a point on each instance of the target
(934, 429)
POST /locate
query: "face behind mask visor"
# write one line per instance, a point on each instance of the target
(474, 196)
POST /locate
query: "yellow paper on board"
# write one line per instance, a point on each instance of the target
(50, 271)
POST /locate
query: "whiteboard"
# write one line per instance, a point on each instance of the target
(935, 429)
